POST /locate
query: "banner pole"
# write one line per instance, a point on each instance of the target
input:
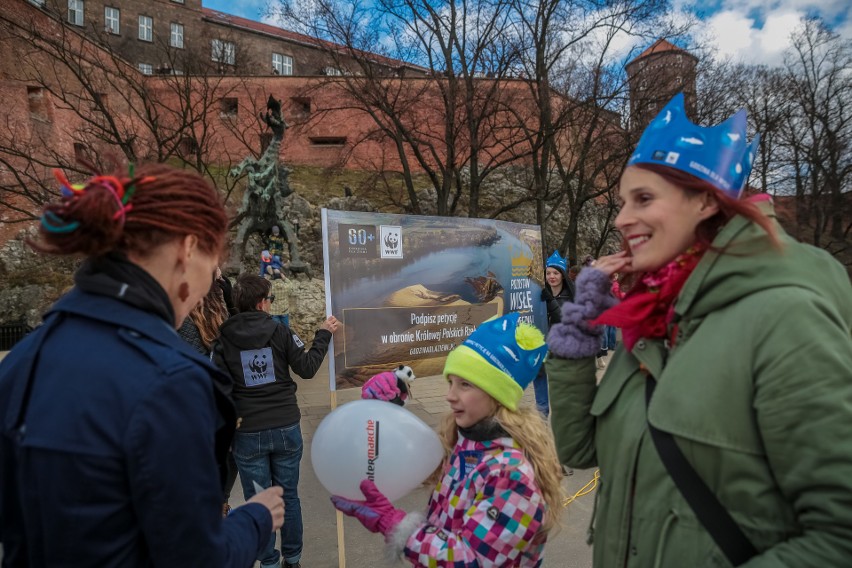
(341, 546)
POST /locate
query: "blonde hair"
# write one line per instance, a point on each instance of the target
(209, 315)
(527, 427)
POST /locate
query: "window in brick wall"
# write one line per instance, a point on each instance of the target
(37, 2)
(176, 36)
(178, 1)
(301, 105)
(223, 51)
(81, 152)
(146, 68)
(328, 140)
(75, 12)
(112, 20)
(146, 28)
(188, 146)
(282, 64)
(229, 106)
(37, 100)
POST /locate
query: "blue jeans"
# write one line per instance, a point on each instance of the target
(272, 457)
(542, 396)
(608, 338)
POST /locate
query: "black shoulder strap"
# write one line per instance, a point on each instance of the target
(725, 531)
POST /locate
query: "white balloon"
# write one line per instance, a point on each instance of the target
(377, 440)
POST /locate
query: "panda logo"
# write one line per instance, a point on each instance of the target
(392, 240)
(258, 364)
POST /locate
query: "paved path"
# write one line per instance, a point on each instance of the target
(565, 549)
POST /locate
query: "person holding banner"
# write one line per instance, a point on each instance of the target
(111, 425)
(722, 436)
(258, 353)
(500, 492)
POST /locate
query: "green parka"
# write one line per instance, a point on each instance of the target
(757, 392)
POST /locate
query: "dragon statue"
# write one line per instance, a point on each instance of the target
(266, 190)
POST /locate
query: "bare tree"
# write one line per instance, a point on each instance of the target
(577, 134)
(451, 122)
(87, 104)
(819, 68)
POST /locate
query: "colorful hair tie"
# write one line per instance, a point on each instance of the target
(66, 188)
(53, 223)
(121, 192)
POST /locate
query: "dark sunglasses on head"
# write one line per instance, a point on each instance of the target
(271, 298)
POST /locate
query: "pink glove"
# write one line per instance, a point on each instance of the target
(383, 386)
(376, 513)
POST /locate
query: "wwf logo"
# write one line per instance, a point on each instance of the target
(259, 364)
(391, 241)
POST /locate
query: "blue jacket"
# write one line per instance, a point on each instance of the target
(109, 457)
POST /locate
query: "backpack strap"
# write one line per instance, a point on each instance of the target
(715, 518)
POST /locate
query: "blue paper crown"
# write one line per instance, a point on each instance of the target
(494, 341)
(555, 260)
(719, 154)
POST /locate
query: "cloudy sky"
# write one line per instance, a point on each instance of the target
(756, 31)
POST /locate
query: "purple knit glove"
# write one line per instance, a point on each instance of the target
(383, 386)
(376, 513)
(575, 337)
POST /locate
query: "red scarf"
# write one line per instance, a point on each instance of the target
(648, 307)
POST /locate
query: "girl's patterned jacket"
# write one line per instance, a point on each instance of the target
(486, 511)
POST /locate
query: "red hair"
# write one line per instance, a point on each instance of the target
(729, 207)
(161, 203)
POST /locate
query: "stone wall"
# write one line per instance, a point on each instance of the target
(30, 283)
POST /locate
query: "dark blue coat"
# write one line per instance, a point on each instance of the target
(111, 459)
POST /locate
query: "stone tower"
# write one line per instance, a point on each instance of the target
(655, 76)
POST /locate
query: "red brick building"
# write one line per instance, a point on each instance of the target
(82, 94)
(176, 36)
(655, 75)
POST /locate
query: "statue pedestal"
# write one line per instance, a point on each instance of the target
(297, 266)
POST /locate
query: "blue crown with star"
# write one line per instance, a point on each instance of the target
(720, 154)
(557, 261)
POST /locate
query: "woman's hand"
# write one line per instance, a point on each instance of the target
(272, 499)
(618, 262)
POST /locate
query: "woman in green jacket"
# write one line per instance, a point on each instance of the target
(736, 348)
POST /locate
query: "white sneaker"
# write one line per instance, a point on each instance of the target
(600, 363)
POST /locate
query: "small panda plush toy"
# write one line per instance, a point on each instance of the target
(392, 386)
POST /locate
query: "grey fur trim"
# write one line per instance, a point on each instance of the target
(575, 337)
(396, 540)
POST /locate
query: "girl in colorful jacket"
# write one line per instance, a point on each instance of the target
(500, 493)
(709, 368)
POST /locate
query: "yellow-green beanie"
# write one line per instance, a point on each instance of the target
(501, 357)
